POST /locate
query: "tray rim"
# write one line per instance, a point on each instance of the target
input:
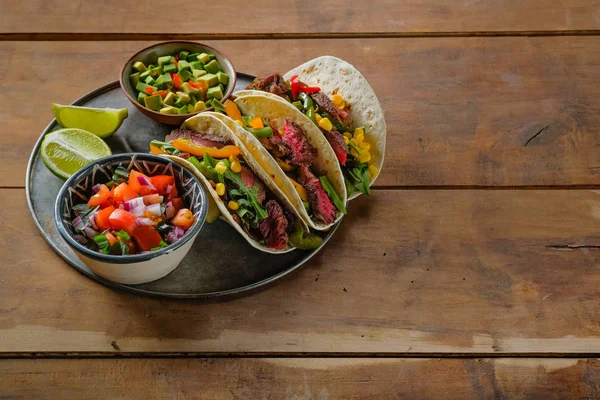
(132, 289)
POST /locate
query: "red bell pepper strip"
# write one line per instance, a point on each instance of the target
(296, 87)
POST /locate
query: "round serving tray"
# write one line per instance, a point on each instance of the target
(220, 263)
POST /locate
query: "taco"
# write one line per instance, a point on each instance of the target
(290, 148)
(246, 197)
(340, 101)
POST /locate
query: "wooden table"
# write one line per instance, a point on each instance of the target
(471, 272)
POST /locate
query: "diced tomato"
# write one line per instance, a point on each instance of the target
(102, 218)
(177, 203)
(146, 237)
(102, 198)
(173, 193)
(184, 219)
(111, 238)
(123, 193)
(122, 220)
(161, 182)
(136, 186)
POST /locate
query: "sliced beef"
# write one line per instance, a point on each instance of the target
(336, 140)
(250, 180)
(290, 219)
(321, 206)
(326, 105)
(301, 151)
(200, 139)
(273, 84)
(274, 227)
(280, 148)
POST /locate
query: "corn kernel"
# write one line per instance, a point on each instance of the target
(233, 158)
(318, 118)
(326, 124)
(220, 189)
(240, 122)
(233, 205)
(354, 142)
(373, 170)
(346, 139)
(364, 146)
(364, 156)
(359, 138)
(236, 167)
(354, 153)
(348, 135)
(359, 131)
(221, 167)
(338, 101)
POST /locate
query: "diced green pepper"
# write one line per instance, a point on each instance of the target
(149, 80)
(169, 68)
(141, 87)
(140, 97)
(192, 57)
(167, 77)
(144, 75)
(183, 54)
(223, 77)
(183, 110)
(196, 65)
(185, 75)
(181, 65)
(165, 60)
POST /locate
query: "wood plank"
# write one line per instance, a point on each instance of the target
(113, 16)
(476, 111)
(314, 378)
(408, 272)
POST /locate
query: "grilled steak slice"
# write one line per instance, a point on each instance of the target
(301, 151)
(321, 206)
(280, 148)
(250, 180)
(274, 227)
(336, 140)
(273, 84)
(326, 105)
(200, 139)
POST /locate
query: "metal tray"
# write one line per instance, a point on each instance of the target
(220, 263)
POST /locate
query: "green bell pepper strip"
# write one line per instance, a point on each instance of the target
(339, 204)
(303, 240)
(260, 132)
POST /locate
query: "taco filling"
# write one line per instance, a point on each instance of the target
(251, 204)
(333, 117)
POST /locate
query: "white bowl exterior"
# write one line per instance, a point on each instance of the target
(140, 272)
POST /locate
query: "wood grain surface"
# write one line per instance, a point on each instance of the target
(305, 18)
(409, 272)
(470, 111)
(301, 379)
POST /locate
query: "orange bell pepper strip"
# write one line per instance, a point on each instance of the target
(256, 122)
(232, 110)
(156, 150)
(186, 146)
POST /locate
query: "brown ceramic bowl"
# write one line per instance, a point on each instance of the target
(150, 55)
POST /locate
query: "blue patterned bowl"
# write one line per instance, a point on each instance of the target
(137, 268)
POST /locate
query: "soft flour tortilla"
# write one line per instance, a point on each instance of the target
(276, 112)
(333, 75)
(209, 124)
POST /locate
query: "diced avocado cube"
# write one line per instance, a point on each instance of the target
(166, 77)
(183, 110)
(149, 80)
(178, 103)
(141, 96)
(208, 80)
(199, 106)
(223, 77)
(183, 54)
(185, 75)
(141, 87)
(214, 93)
(168, 110)
(212, 56)
(170, 98)
(212, 67)
(189, 89)
(153, 102)
(151, 66)
(193, 99)
(134, 79)
(194, 65)
(209, 102)
(156, 72)
(165, 60)
(139, 66)
(184, 97)
(169, 68)
(192, 57)
(160, 82)
(204, 58)
(222, 87)
(144, 75)
(198, 73)
(190, 108)
(181, 65)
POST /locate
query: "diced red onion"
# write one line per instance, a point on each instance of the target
(78, 223)
(144, 222)
(170, 210)
(93, 221)
(96, 188)
(138, 211)
(133, 203)
(146, 182)
(80, 238)
(168, 189)
(154, 209)
(152, 199)
(89, 232)
(175, 234)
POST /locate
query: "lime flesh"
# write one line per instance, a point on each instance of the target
(67, 150)
(102, 122)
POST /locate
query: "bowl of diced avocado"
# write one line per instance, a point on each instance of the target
(171, 81)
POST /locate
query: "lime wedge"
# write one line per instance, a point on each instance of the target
(67, 150)
(102, 122)
(213, 211)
